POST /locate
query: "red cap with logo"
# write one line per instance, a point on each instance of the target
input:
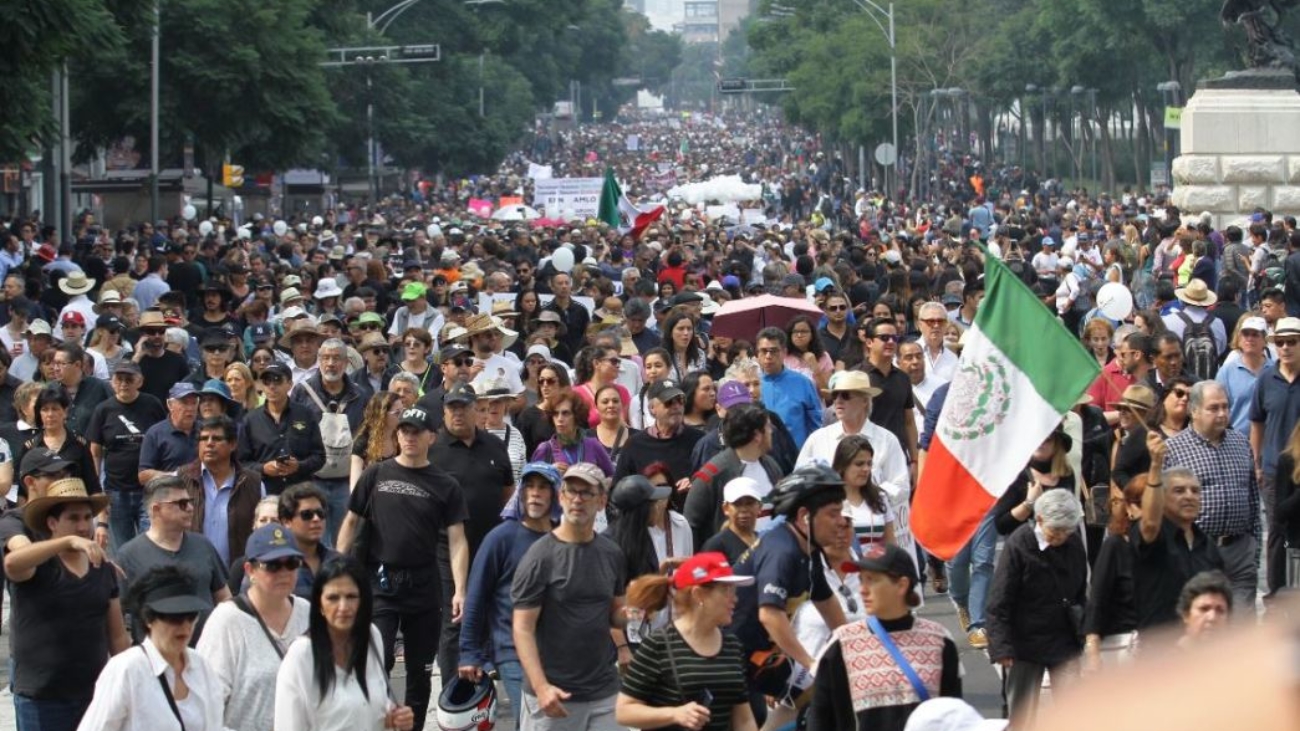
(707, 568)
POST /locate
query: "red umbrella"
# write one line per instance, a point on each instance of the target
(743, 318)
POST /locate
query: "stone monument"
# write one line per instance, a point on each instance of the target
(1240, 134)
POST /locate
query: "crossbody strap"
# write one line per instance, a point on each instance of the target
(167, 691)
(244, 605)
(879, 631)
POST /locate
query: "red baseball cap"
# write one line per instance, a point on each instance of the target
(73, 317)
(707, 568)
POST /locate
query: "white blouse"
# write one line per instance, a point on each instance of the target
(299, 707)
(128, 697)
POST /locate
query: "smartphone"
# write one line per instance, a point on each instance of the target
(704, 698)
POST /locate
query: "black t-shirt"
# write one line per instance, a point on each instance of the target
(1163, 566)
(407, 507)
(120, 429)
(161, 372)
(661, 676)
(728, 544)
(59, 641)
(889, 409)
(484, 473)
(784, 576)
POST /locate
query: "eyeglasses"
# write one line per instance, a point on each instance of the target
(186, 618)
(769, 351)
(934, 321)
(548, 381)
(413, 344)
(184, 503)
(579, 494)
(153, 332)
(837, 308)
(284, 564)
(311, 514)
(1285, 342)
(886, 337)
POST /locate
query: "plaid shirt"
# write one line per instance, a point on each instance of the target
(1229, 496)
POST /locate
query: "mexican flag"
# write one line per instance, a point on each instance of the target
(617, 211)
(1020, 372)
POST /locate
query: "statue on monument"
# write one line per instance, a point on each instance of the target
(1268, 46)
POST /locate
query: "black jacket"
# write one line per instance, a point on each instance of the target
(1286, 518)
(298, 433)
(1028, 616)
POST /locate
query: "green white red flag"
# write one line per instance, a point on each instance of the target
(1020, 372)
(620, 213)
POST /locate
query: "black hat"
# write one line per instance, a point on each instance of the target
(416, 417)
(279, 369)
(885, 559)
(214, 336)
(685, 298)
(176, 595)
(109, 322)
(452, 351)
(665, 391)
(128, 366)
(462, 394)
(42, 461)
(633, 491)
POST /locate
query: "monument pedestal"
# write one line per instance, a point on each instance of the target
(1241, 147)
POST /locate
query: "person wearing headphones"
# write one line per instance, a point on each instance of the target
(788, 568)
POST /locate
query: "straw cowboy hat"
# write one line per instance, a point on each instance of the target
(1196, 294)
(67, 490)
(853, 382)
(76, 283)
(1137, 397)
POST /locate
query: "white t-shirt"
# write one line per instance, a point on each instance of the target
(241, 656)
(299, 706)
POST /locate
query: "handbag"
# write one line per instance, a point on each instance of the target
(1096, 506)
(887, 642)
(1073, 612)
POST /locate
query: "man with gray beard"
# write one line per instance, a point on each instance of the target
(337, 405)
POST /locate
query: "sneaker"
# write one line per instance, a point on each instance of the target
(978, 639)
(963, 617)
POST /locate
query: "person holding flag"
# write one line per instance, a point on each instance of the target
(617, 210)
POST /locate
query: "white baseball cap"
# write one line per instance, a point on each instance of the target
(951, 714)
(741, 487)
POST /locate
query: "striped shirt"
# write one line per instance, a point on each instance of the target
(651, 679)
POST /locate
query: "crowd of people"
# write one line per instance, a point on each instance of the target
(249, 469)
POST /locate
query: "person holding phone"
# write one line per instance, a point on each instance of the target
(689, 674)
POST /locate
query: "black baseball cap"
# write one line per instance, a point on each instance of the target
(462, 394)
(452, 351)
(277, 369)
(43, 461)
(109, 322)
(416, 417)
(665, 391)
(884, 559)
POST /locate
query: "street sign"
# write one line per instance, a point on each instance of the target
(1159, 174)
(232, 176)
(429, 51)
(1173, 117)
(732, 86)
(886, 154)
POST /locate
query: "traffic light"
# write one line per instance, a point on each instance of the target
(232, 176)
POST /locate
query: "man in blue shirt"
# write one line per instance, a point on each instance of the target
(790, 394)
(1274, 412)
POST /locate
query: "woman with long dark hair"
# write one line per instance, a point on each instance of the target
(701, 400)
(1172, 415)
(682, 345)
(535, 421)
(805, 353)
(333, 678)
(596, 367)
(873, 518)
(377, 438)
(527, 305)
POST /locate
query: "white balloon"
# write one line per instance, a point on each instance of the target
(205, 228)
(280, 228)
(246, 232)
(189, 212)
(302, 228)
(1115, 300)
(562, 260)
(434, 230)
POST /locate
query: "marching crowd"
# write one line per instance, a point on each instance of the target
(250, 468)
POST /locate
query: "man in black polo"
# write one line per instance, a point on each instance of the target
(575, 316)
(160, 366)
(408, 501)
(281, 439)
(479, 462)
(116, 433)
(893, 408)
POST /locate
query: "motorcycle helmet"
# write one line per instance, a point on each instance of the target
(465, 705)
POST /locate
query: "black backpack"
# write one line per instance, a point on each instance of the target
(1200, 354)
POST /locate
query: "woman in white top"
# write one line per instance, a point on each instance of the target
(160, 685)
(245, 639)
(653, 538)
(333, 679)
(865, 503)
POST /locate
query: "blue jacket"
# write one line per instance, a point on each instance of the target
(486, 638)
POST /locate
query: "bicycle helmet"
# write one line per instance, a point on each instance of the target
(811, 486)
(465, 705)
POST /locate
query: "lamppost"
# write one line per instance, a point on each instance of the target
(880, 16)
(1169, 94)
(1030, 90)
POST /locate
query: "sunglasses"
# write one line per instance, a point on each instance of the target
(184, 503)
(614, 361)
(284, 564)
(837, 308)
(886, 337)
(273, 380)
(311, 514)
(1285, 342)
(153, 332)
(215, 348)
(185, 618)
(461, 362)
(547, 381)
(935, 321)
(849, 599)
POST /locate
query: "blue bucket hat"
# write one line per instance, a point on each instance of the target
(514, 510)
